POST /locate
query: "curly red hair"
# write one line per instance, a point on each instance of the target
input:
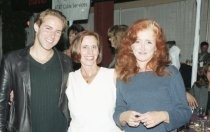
(126, 65)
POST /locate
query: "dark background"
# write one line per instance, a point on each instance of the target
(15, 14)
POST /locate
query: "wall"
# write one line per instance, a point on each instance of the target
(177, 17)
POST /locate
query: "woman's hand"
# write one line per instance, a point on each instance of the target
(192, 102)
(131, 118)
(151, 119)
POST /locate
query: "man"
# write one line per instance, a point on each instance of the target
(174, 52)
(203, 58)
(37, 75)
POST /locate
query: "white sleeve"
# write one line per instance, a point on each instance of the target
(174, 56)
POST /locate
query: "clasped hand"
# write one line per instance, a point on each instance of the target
(148, 119)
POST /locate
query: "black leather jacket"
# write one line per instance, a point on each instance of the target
(14, 75)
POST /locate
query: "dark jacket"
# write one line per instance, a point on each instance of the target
(15, 75)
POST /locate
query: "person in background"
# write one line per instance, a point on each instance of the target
(91, 89)
(192, 102)
(174, 53)
(73, 30)
(185, 70)
(29, 31)
(203, 59)
(201, 90)
(115, 35)
(186, 73)
(150, 92)
(37, 75)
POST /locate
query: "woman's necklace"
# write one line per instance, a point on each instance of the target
(89, 76)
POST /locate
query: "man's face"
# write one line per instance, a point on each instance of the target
(49, 32)
(204, 49)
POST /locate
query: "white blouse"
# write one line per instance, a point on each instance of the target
(92, 105)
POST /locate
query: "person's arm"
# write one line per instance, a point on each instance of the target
(121, 112)
(180, 113)
(192, 102)
(121, 115)
(119, 107)
(4, 95)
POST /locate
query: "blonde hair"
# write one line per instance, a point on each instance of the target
(117, 32)
(40, 17)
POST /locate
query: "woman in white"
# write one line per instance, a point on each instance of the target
(91, 90)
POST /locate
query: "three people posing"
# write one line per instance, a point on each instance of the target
(150, 94)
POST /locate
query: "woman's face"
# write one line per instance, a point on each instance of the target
(89, 51)
(144, 47)
(208, 74)
(72, 35)
(111, 40)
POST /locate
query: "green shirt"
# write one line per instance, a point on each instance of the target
(46, 84)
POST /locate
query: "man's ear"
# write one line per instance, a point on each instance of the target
(36, 27)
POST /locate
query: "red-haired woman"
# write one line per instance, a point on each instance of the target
(150, 92)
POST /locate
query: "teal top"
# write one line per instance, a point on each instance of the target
(148, 92)
(45, 83)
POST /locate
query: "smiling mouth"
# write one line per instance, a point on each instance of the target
(142, 53)
(89, 58)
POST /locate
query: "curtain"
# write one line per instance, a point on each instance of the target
(177, 20)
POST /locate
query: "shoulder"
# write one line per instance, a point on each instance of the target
(107, 74)
(62, 55)
(172, 70)
(72, 73)
(16, 55)
(195, 85)
(107, 71)
(174, 49)
(65, 59)
(208, 55)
